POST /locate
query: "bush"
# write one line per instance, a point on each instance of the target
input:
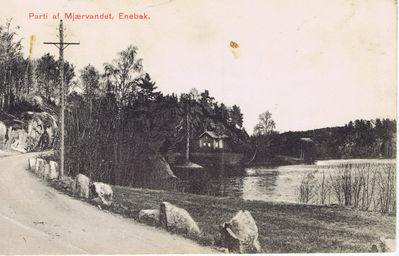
(364, 186)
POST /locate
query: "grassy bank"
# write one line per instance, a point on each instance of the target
(282, 227)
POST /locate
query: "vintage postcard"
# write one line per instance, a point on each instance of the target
(198, 127)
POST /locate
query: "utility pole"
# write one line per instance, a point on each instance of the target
(188, 129)
(61, 45)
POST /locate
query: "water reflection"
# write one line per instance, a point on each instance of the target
(260, 186)
(279, 184)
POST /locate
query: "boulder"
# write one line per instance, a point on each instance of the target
(53, 170)
(149, 216)
(103, 192)
(240, 234)
(3, 129)
(32, 164)
(39, 166)
(174, 218)
(67, 183)
(82, 186)
(46, 171)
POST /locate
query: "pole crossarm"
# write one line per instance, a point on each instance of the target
(58, 43)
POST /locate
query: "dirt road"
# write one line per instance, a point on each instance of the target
(37, 219)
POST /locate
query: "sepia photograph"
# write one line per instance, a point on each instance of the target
(198, 127)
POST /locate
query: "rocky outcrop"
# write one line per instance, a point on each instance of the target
(149, 216)
(82, 186)
(161, 167)
(240, 234)
(17, 140)
(174, 218)
(41, 128)
(32, 131)
(103, 192)
(156, 172)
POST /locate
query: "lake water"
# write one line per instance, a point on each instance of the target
(279, 184)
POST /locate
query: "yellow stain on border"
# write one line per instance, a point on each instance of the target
(235, 49)
(32, 40)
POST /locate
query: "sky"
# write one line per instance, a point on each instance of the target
(311, 63)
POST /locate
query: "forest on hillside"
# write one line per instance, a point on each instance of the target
(114, 119)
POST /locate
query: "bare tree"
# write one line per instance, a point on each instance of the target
(266, 124)
(123, 74)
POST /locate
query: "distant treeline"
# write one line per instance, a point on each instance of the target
(358, 139)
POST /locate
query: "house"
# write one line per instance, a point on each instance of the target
(210, 140)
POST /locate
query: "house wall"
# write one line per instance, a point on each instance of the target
(212, 144)
(218, 144)
(206, 142)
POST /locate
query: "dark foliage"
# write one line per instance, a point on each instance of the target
(120, 118)
(358, 139)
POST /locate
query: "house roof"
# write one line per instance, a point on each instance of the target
(306, 139)
(214, 135)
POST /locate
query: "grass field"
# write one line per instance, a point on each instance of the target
(283, 228)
